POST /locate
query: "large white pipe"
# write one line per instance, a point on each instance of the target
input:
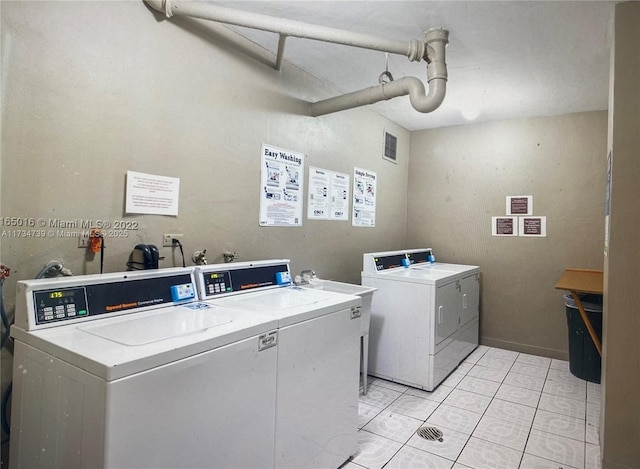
(414, 50)
(436, 40)
(420, 100)
(432, 51)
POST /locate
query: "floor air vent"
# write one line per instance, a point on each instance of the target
(430, 433)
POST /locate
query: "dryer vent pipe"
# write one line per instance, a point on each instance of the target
(432, 50)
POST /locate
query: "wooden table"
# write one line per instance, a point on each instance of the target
(583, 281)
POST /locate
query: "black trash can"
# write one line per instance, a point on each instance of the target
(584, 360)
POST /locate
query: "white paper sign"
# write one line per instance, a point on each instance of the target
(364, 197)
(151, 194)
(532, 226)
(319, 196)
(519, 205)
(504, 226)
(281, 187)
(328, 197)
(339, 196)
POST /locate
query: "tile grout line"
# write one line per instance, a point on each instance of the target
(545, 380)
(494, 397)
(485, 411)
(534, 417)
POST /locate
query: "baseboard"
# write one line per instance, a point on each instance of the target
(524, 348)
(613, 465)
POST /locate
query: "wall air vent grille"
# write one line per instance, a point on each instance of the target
(390, 147)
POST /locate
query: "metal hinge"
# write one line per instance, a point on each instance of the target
(355, 312)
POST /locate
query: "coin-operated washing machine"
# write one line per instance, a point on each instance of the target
(318, 345)
(129, 370)
(424, 316)
(363, 292)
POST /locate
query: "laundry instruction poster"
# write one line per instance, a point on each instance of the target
(364, 198)
(328, 195)
(281, 187)
(152, 194)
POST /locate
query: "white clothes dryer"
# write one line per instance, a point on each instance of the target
(424, 316)
(318, 358)
(128, 370)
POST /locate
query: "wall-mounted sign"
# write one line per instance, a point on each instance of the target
(364, 197)
(532, 226)
(281, 187)
(151, 194)
(504, 226)
(328, 197)
(520, 205)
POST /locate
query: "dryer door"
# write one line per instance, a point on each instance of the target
(447, 312)
(470, 298)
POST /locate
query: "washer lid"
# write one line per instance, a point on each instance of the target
(449, 267)
(122, 346)
(291, 304)
(136, 331)
(286, 298)
(415, 275)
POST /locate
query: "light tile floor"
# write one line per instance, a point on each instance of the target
(498, 409)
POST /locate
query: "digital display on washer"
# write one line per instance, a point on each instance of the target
(91, 300)
(61, 294)
(219, 282)
(55, 305)
(389, 262)
(420, 257)
(216, 283)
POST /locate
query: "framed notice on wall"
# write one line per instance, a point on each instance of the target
(532, 226)
(519, 205)
(504, 226)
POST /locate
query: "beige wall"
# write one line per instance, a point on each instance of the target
(459, 178)
(93, 89)
(620, 425)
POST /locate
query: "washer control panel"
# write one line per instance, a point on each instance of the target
(60, 304)
(223, 279)
(375, 262)
(217, 283)
(51, 302)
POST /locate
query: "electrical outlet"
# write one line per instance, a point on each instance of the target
(167, 239)
(84, 240)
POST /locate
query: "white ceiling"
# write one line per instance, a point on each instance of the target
(513, 59)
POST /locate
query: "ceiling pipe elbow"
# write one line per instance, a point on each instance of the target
(432, 50)
(436, 41)
(422, 101)
(163, 6)
(435, 44)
